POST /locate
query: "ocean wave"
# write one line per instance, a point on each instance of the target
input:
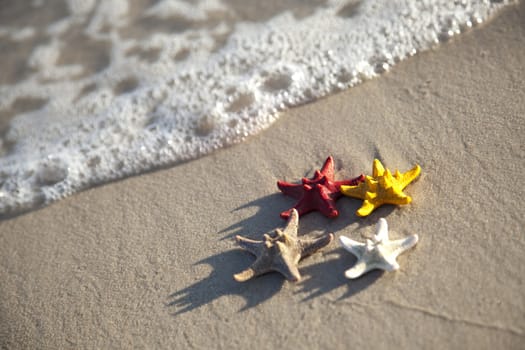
(93, 91)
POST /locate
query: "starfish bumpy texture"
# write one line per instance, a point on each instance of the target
(378, 253)
(281, 251)
(381, 188)
(317, 193)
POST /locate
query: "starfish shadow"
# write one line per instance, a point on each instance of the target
(329, 275)
(220, 283)
(347, 217)
(269, 207)
(265, 219)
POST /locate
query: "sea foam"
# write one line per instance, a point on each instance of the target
(93, 91)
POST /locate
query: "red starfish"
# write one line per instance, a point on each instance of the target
(317, 193)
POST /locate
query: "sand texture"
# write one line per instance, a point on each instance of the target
(148, 262)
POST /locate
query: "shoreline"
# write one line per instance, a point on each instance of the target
(148, 261)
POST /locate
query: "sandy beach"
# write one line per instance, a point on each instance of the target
(147, 262)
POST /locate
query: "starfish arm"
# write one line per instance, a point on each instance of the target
(399, 246)
(377, 168)
(286, 262)
(244, 275)
(259, 267)
(291, 272)
(250, 245)
(329, 211)
(328, 168)
(389, 264)
(302, 207)
(293, 224)
(293, 190)
(327, 206)
(398, 199)
(381, 231)
(354, 247)
(360, 268)
(286, 214)
(310, 246)
(366, 208)
(358, 191)
(406, 178)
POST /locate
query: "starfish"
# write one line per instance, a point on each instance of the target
(381, 188)
(281, 251)
(378, 253)
(317, 193)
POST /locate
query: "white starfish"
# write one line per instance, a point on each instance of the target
(378, 253)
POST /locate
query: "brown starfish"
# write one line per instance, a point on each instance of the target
(281, 251)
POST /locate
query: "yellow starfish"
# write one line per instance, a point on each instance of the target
(381, 188)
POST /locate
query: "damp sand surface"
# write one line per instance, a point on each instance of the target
(147, 262)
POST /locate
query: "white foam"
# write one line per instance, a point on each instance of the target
(117, 89)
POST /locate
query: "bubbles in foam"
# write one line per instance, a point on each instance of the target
(50, 172)
(122, 86)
